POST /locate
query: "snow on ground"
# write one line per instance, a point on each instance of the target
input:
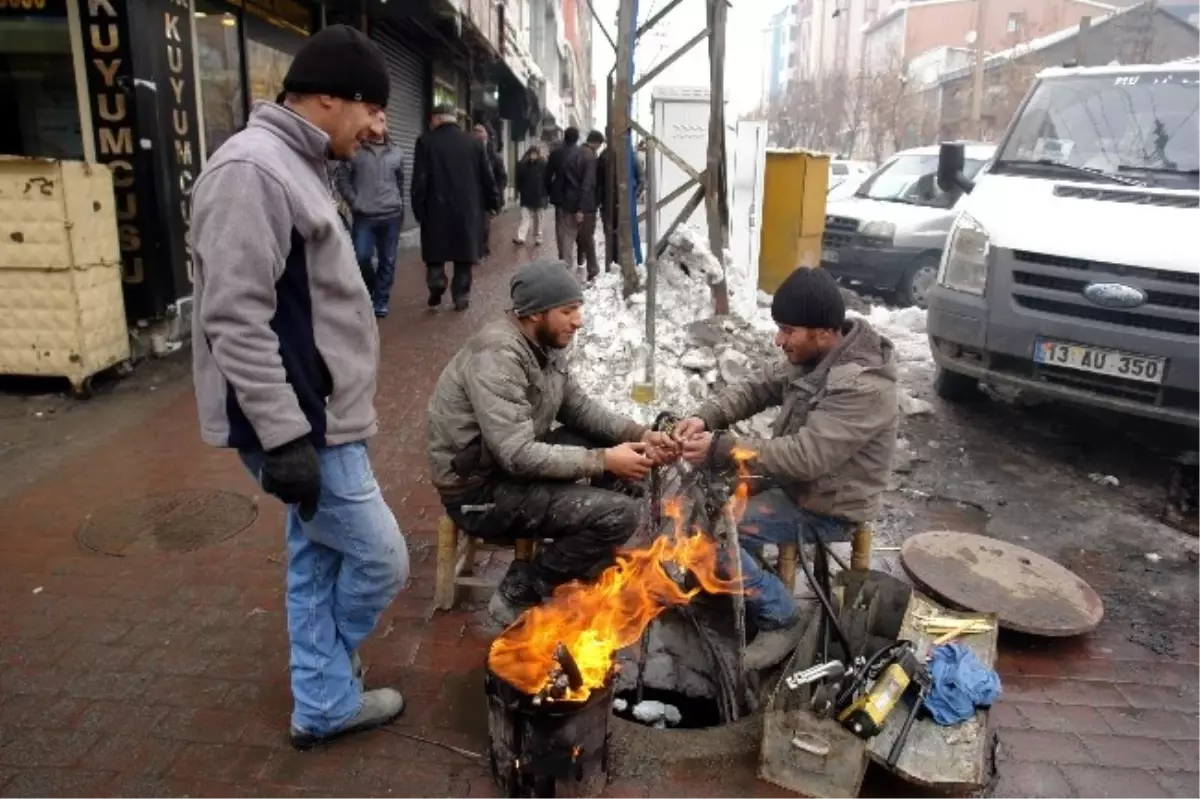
(697, 353)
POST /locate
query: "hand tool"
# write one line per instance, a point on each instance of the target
(833, 668)
(866, 714)
(922, 679)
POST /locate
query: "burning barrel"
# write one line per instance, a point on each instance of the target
(549, 676)
(543, 745)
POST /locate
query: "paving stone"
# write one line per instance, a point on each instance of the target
(148, 753)
(46, 748)
(1129, 752)
(1020, 779)
(1063, 718)
(1042, 747)
(1152, 723)
(1183, 784)
(1103, 781)
(58, 782)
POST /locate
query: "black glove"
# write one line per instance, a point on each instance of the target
(292, 473)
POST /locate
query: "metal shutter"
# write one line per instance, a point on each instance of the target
(406, 112)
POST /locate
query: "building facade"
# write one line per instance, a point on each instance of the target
(152, 88)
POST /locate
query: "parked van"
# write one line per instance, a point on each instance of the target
(888, 235)
(1071, 270)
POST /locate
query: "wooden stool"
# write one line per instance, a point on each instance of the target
(860, 555)
(456, 562)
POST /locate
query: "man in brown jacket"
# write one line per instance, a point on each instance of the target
(830, 455)
(503, 473)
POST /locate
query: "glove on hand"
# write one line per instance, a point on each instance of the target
(292, 473)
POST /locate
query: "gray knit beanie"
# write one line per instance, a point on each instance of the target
(542, 285)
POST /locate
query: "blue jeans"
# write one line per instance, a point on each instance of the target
(774, 518)
(378, 237)
(344, 567)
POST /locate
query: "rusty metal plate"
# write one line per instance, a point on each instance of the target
(181, 521)
(1027, 592)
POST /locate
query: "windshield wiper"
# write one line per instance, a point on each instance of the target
(1159, 170)
(1077, 170)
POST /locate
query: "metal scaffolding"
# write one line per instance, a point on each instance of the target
(707, 186)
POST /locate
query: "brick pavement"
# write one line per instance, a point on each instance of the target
(167, 674)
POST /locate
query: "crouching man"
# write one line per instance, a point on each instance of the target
(504, 474)
(829, 458)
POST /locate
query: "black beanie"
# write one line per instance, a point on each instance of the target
(809, 298)
(543, 285)
(342, 62)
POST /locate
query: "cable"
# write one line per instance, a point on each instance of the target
(825, 603)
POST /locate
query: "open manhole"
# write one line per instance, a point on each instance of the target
(180, 521)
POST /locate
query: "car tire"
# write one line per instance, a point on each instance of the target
(954, 387)
(917, 281)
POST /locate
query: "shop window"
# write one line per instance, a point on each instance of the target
(218, 43)
(38, 102)
(271, 44)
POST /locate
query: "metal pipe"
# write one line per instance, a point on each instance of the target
(651, 256)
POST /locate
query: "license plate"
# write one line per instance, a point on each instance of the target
(829, 256)
(1102, 362)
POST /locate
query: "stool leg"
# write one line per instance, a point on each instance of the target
(523, 549)
(860, 554)
(447, 557)
(787, 565)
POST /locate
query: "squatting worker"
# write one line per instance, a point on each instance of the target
(829, 459)
(285, 351)
(504, 474)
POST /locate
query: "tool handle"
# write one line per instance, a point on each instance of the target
(902, 738)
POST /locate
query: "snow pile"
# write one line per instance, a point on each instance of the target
(697, 353)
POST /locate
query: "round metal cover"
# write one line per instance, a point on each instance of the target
(177, 522)
(1027, 592)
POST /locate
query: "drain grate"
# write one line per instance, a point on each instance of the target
(181, 521)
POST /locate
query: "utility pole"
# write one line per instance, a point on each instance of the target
(977, 77)
(710, 184)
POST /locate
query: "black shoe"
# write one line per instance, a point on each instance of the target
(435, 299)
(461, 304)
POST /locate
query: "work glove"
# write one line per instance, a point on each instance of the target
(292, 473)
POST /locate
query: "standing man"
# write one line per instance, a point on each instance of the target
(285, 354)
(503, 472)
(829, 458)
(574, 181)
(499, 175)
(372, 183)
(453, 190)
(555, 186)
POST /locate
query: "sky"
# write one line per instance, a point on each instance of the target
(744, 51)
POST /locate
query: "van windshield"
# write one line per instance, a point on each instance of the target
(1138, 127)
(912, 179)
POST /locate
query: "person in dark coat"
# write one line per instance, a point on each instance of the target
(499, 174)
(531, 189)
(575, 214)
(453, 190)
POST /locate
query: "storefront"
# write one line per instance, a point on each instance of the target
(409, 68)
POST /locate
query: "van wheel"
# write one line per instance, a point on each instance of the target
(917, 281)
(956, 388)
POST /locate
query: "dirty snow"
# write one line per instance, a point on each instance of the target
(696, 353)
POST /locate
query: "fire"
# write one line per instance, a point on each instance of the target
(595, 620)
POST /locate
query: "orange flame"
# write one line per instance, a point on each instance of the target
(596, 620)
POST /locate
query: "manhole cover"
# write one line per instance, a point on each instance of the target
(177, 522)
(1027, 592)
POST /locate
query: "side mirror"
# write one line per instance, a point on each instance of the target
(951, 160)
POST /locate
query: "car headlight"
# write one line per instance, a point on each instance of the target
(965, 261)
(878, 232)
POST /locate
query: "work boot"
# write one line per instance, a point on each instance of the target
(516, 594)
(770, 647)
(375, 709)
(435, 299)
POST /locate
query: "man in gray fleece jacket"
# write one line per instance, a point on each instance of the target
(500, 469)
(285, 351)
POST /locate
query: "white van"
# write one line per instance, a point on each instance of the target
(888, 234)
(1071, 270)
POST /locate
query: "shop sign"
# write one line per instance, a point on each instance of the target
(112, 91)
(170, 33)
(33, 8)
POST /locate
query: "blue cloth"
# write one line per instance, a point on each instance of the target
(381, 238)
(961, 683)
(344, 567)
(773, 518)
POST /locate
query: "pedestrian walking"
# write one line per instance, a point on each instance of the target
(531, 189)
(372, 183)
(572, 182)
(499, 175)
(453, 190)
(285, 355)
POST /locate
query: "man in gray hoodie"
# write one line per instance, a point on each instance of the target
(372, 183)
(285, 352)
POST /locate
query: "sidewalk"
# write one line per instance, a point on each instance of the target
(166, 674)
